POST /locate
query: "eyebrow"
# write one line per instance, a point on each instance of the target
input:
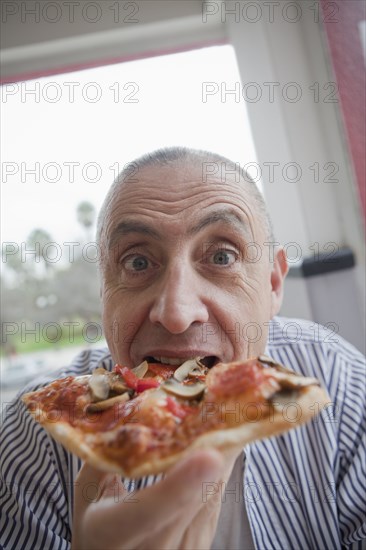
(127, 227)
(225, 216)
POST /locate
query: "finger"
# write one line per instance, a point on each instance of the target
(202, 528)
(183, 530)
(183, 484)
(87, 475)
(157, 513)
(113, 488)
(86, 478)
(230, 457)
(176, 499)
(92, 484)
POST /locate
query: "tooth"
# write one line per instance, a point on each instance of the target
(174, 361)
(171, 360)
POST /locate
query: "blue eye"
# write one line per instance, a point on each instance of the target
(223, 257)
(136, 263)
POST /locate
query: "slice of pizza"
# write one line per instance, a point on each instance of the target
(141, 421)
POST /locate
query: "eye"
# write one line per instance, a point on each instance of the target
(224, 257)
(136, 262)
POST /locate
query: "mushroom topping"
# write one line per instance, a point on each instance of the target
(99, 384)
(185, 391)
(269, 361)
(141, 369)
(197, 372)
(116, 385)
(107, 403)
(294, 382)
(282, 398)
(287, 378)
(83, 378)
(186, 368)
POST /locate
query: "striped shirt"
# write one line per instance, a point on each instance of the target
(303, 489)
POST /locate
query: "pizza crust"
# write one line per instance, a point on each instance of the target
(238, 437)
(309, 400)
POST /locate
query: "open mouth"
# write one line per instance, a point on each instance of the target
(208, 361)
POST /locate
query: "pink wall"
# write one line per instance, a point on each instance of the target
(341, 26)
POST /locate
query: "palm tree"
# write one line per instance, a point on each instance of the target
(13, 264)
(86, 217)
(37, 241)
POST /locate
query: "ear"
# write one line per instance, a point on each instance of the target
(278, 274)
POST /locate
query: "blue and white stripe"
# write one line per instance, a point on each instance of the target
(304, 489)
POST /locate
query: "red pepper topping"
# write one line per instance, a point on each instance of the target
(129, 377)
(146, 384)
(135, 383)
(176, 408)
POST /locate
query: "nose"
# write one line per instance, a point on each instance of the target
(179, 301)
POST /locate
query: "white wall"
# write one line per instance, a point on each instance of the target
(32, 43)
(305, 131)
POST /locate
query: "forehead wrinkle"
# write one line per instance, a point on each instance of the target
(126, 227)
(173, 206)
(228, 217)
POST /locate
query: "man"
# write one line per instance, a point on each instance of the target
(187, 269)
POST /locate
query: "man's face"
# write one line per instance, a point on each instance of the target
(184, 270)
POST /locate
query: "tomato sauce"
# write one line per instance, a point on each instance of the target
(230, 381)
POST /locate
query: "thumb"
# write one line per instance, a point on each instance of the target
(86, 487)
(112, 487)
(92, 484)
(181, 492)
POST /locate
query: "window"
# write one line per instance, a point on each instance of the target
(65, 138)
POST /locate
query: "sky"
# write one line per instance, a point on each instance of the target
(65, 137)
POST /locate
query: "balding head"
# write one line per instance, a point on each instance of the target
(211, 166)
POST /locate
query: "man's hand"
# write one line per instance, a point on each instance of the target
(173, 514)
